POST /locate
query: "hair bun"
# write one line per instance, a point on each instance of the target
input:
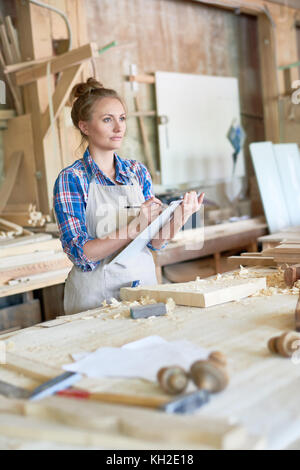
(85, 88)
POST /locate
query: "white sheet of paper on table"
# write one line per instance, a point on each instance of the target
(139, 359)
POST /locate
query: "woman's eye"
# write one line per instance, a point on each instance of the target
(123, 118)
(106, 119)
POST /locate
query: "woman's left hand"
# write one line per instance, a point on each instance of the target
(190, 204)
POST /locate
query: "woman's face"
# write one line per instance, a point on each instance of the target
(107, 127)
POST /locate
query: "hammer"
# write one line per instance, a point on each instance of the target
(291, 275)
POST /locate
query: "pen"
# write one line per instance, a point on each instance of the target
(138, 207)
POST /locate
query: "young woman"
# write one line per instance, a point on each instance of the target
(92, 200)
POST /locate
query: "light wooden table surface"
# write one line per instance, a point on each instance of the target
(263, 390)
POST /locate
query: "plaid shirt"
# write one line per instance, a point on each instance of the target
(71, 195)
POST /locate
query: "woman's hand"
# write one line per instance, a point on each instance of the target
(149, 211)
(190, 204)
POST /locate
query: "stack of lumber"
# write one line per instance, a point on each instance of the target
(30, 257)
(288, 234)
(287, 252)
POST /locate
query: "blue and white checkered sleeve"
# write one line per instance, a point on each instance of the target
(69, 206)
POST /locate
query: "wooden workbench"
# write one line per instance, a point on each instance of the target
(211, 240)
(263, 391)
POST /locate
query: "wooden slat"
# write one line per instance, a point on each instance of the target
(15, 92)
(61, 95)
(236, 261)
(10, 179)
(29, 270)
(11, 33)
(50, 278)
(19, 249)
(145, 141)
(9, 59)
(60, 63)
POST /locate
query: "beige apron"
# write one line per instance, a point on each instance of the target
(105, 213)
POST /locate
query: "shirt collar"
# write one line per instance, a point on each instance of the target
(93, 169)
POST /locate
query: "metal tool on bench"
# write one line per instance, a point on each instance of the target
(146, 311)
(291, 275)
(51, 387)
(54, 385)
(183, 404)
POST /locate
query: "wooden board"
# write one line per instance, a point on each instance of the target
(236, 261)
(35, 282)
(202, 293)
(274, 203)
(19, 137)
(28, 270)
(20, 249)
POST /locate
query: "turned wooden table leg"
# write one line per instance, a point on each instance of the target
(217, 258)
(252, 247)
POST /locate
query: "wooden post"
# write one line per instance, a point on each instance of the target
(36, 30)
(269, 78)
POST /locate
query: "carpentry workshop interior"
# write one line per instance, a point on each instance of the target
(149, 227)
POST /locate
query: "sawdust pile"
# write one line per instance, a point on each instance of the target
(119, 310)
(275, 281)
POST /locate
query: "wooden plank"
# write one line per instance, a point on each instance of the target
(61, 95)
(148, 79)
(202, 293)
(26, 239)
(236, 261)
(145, 141)
(286, 248)
(11, 33)
(268, 65)
(51, 278)
(58, 25)
(30, 368)
(37, 429)
(19, 249)
(10, 178)
(8, 274)
(19, 137)
(14, 91)
(9, 59)
(59, 64)
(162, 428)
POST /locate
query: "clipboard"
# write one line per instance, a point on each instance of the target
(141, 241)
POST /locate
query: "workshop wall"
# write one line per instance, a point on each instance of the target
(175, 36)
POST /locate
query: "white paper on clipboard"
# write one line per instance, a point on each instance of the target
(139, 243)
